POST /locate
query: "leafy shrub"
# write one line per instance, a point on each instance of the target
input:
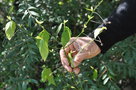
(23, 67)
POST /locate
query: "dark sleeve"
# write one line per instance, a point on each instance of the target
(120, 24)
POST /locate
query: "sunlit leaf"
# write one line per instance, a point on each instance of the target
(66, 35)
(91, 9)
(39, 22)
(95, 74)
(9, 18)
(42, 43)
(60, 3)
(59, 28)
(92, 67)
(10, 29)
(25, 14)
(38, 37)
(104, 76)
(34, 13)
(73, 87)
(90, 17)
(65, 21)
(98, 31)
(106, 80)
(47, 76)
(31, 7)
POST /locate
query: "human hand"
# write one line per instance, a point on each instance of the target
(81, 48)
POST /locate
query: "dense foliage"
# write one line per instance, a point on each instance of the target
(32, 28)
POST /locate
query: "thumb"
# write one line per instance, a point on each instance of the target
(78, 59)
(76, 70)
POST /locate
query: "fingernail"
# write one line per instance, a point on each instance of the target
(69, 69)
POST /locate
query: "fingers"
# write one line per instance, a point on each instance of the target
(74, 47)
(79, 58)
(76, 70)
(64, 53)
(70, 47)
(64, 61)
(82, 48)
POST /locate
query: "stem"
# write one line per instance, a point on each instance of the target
(86, 23)
(99, 16)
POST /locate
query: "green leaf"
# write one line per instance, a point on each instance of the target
(25, 14)
(9, 18)
(59, 28)
(60, 3)
(92, 67)
(104, 76)
(65, 21)
(66, 35)
(34, 13)
(47, 75)
(31, 7)
(90, 17)
(29, 88)
(30, 21)
(106, 80)
(70, 59)
(10, 29)
(111, 72)
(98, 31)
(73, 87)
(91, 9)
(95, 74)
(40, 89)
(42, 43)
(39, 22)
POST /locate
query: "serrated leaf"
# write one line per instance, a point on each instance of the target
(42, 43)
(34, 13)
(10, 29)
(66, 35)
(47, 75)
(98, 31)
